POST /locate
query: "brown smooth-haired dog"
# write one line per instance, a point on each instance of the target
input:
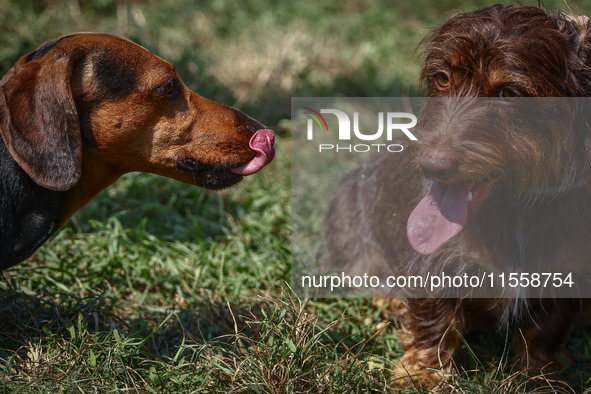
(86, 108)
(524, 189)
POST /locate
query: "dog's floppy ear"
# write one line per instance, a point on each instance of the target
(38, 119)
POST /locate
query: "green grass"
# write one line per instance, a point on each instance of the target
(157, 286)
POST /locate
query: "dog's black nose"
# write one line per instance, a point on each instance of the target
(437, 166)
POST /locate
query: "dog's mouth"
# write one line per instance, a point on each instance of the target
(209, 176)
(442, 213)
(216, 176)
(262, 143)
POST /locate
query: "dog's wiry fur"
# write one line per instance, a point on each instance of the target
(535, 211)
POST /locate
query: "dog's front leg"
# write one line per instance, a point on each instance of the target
(430, 335)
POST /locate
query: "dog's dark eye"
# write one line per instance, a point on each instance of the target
(168, 89)
(442, 80)
(508, 94)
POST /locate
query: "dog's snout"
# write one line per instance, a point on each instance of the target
(437, 166)
(247, 123)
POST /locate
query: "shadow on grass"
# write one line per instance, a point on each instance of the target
(276, 343)
(222, 345)
(26, 316)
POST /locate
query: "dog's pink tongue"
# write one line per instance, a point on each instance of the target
(439, 217)
(262, 143)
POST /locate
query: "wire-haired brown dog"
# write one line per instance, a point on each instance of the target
(525, 191)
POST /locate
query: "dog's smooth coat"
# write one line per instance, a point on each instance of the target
(86, 108)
